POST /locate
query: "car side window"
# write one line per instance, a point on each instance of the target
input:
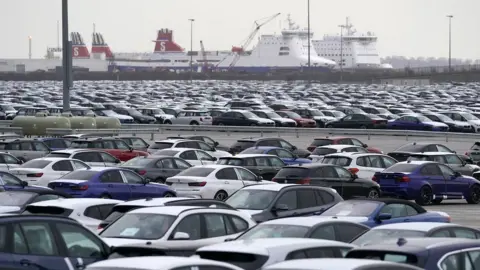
(446, 171)
(10, 180)
(204, 146)
(132, 178)
(342, 173)
(246, 175)
(240, 224)
(204, 156)
(168, 163)
(442, 148)
(12, 146)
(9, 159)
(349, 232)
(457, 261)
(327, 252)
(307, 198)
(34, 238)
(441, 233)
(464, 233)
(388, 162)
(276, 162)
(181, 164)
(430, 169)
(325, 197)
(93, 212)
(112, 176)
(80, 242)
(45, 197)
(87, 157)
(282, 153)
(80, 165)
(285, 145)
(62, 166)
(395, 209)
(108, 145)
(3, 237)
(376, 161)
(40, 147)
(288, 199)
(357, 142)
(136, 142)
(453, 159)
(189, 155)
(108, 158)
(227, 174)
(326, 232)
(215, 225)
(191, 225)
(121, 145)
(411, 211)
(364, 162)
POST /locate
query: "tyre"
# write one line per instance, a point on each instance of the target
(329, 126)
(426, 196)
(437, 201)
(474, 195)
(363, 127)
(373, 193)
(168, 122)
(221, 196)
(253, 125)
(169, 195)
(160, 180)
(194, 123)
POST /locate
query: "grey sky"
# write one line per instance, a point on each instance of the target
(404, 27)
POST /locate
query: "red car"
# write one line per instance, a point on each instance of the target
(301, 122)
(116, 147)
(341, 140)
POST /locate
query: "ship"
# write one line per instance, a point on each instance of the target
(359, 49)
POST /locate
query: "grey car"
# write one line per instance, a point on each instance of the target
(157, 168)
(450, 159)
(94, 158)
(25, 149)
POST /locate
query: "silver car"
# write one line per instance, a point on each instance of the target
(94, 158)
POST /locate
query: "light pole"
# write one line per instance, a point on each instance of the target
(308, 27)
(191, 48)
(341, 52)
(67, 54)
(449, 42)
(29, 47)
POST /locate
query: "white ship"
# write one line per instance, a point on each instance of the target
(359, 50)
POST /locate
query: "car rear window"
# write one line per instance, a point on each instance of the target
(246, 261)
(161, 145)
(337, 160)
(60, 155)
(165, 152)
(79, 144)
(47, 210)
(401, 168)
(253, 150)
(322, 151)
(79, 175)
(243, 144)
(322, 142)
(118, 211)
(230, 161)
(410, 148)
(380, 255)
(36, 164)
(292, 171)
(194, 171)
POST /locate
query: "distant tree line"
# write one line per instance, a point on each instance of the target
(403, 62)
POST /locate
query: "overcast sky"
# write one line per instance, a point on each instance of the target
(404, 27)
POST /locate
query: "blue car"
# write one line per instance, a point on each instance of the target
(427, 253)
(55, 143)
(416, 122)
(288, 157)
(112, 183)
(427, 183)
(10, 182)
(374, 212)
(48, 242)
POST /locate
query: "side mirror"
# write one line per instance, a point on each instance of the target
(280, 207)
(130, 148)
(216, 144)
(215, 159)
(24, 183)
(20, 162)
(181, 236)
(118, 161)
(294, 148)
(259, 178)
(364, 145)
(148, 145)
(457, 174)
(384, 216)
(146, 181)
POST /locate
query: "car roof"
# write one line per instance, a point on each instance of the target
(75, 150)
(414, 226)
(173, 140)
(217, 166)
(152, 201)
(337, 146)
(73, 203)
(354, 154)
(328, 264)
(248, 156)
(271, 187)
(53, 159)
(417, 162)
(432, 154)
(416, 245)
(151, 263)
(305, 221)
(166, 210)
(263, 245)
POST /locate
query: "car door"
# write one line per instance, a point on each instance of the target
(113, 184)
(82, 247)
(59, 169)
(350, 187)
(138, 187)
(34, 247)
(192, 225)
(228, 180)
(454, 186)
(376, 163)
(286, 205)
(433, 175)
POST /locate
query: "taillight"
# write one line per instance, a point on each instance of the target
(201, 119)
(354, 170)
(403, 179)
(304, 181)
(467, 154)
(311, 148)
(142, 172)
(35, 175)
(101, 226)
(374, 178)
(197, 184)
(274, 180)
(81, 187)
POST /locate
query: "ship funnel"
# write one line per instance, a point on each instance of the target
(79, 49)
(99, 46)
(164, 42)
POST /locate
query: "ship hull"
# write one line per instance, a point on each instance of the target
(246, 69)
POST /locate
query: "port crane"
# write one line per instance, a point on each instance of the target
(239, 51)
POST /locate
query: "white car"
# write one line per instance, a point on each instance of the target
(337, 264)
(110, 113)
(192, 117)
(8, 161)
(160, 263)
(195, 157)
(321, 151)
(184, 143)
(364, 165)
(41, 171)
(176, 223)
(213, 181)
(88, 212)
(94, 158)
(268, 251)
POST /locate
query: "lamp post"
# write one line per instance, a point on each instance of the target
(67, 54)
(449, 42)
(29, 47)
(191, 48)
(308, 27)
(341, 52)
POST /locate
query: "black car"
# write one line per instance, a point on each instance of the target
(120, 209)
(156, 168)
(203, 138)
(403, 152)
(262, 165)
(241, 118)
(137, 116)
(474, 153)
(347, 184)
(136, 143)
(268, 201)
(359, 120)
(279, 121)
(243, 144)
(455, 126)
(15, 201)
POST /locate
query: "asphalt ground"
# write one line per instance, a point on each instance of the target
(459, 210)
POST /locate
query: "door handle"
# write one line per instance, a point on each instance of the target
(25, 262)
(226, 182)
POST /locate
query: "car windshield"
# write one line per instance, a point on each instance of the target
(15, 198)
(411, 147)
(196, 171)
(161, 145)
(272, 115)
(316, 113)
(353, 208)
(230, 161)
(422, 118)
(469, 116)
(134, 112)
(322, 151)
(252, 199)
(337, 160)
(380, 235)
(253, 150)
(275, 231)
(79, 144)
(137, 162)
(292, 115)
(145, 226)
(165, 152)
(36, 164)
(80, 175)
(401, 168)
